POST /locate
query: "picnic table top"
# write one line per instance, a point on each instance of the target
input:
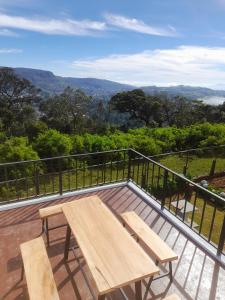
(112, 255)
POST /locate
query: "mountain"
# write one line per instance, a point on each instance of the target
(190, 92)
(51, 84)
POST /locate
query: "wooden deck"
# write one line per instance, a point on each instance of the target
(196, 276)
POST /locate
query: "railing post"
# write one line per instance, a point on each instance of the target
(129, 165)
(222, 239)
(165, 179)
(186, 164)
(36, 180)
(60, 179)
(143, 181)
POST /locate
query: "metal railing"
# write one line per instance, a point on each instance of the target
(198, 208)
(36, 178)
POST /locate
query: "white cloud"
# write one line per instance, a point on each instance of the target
(188, 65)
(138, 25)
(7, 32)
(52, 26)
(10, 50)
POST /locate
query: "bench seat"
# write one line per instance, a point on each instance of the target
(157, 247)
(50, 211)
(39, 276)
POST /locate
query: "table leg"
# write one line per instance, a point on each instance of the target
(67, 243)
(138, 291)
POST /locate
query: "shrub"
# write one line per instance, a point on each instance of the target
(17, 149)
(53, 143)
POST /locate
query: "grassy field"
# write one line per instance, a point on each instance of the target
(197, 166)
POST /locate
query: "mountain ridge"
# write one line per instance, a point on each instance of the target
(53, 84)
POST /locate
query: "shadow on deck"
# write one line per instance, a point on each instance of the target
(196, 275)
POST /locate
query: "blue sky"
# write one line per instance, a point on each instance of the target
(141, 42)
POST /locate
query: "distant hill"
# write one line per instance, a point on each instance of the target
(51, 84)
(186, 91)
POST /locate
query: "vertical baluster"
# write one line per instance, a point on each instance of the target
(194, 206)
(76, 173)
(221, 243)
(60, 176)
(69, 173)
(6, 180)
(91, 174)
(202, 216)
(84, 172)
(117, 171)
(111, 167)
(98, 172)
(124, 159)
(138, 171)
(153, 174)
(212, 224)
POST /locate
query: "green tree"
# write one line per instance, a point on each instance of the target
(17, 102)
(146, 109)
(66, 112)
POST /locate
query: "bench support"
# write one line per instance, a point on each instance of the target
(22, 272)
(67, 244)
(138, 291)
(46, 229)
(170, 274)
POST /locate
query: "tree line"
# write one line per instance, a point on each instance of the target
(33, 125)
(149, 141)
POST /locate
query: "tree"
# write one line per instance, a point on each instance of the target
(146, 109)
(17, 100)
(66, 112)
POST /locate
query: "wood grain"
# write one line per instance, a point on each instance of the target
(40, 281)
(112, 255)
(154, 243)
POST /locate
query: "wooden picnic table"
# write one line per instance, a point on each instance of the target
(112, 255)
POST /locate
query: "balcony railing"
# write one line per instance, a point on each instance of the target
(198, 208)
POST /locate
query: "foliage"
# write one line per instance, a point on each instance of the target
(17, 102)
(67, 111)
(17, 149)
(53, 143)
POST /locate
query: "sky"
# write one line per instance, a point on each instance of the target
(139, 42)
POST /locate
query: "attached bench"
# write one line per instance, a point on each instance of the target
(50, 211)
(46, 212)
(156, 246)
(40, 281)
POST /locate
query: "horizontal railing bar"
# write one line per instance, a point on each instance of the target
(56, 173)
(61, 157)
(187, 151)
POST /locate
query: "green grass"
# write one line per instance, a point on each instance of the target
(197, 166)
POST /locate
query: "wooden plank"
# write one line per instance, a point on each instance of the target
(40, 281)
(112, 255)
(50, 211)
(154, 243)
(172, 297)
